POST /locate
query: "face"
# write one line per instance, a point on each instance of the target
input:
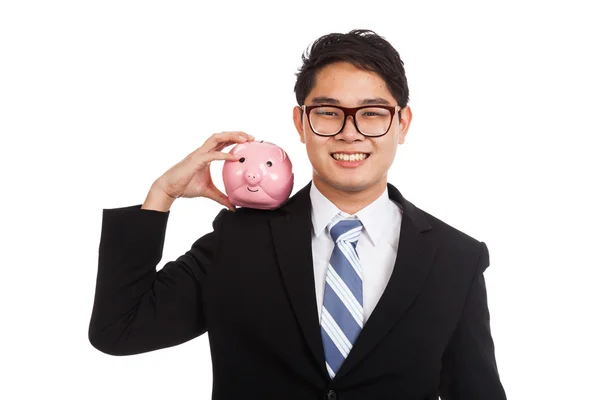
(344, 85)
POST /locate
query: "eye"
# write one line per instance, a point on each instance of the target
(269, 164)
(242, 159)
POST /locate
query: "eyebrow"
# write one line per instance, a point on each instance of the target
(331, 100)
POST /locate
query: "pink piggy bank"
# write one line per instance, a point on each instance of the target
(261, 179)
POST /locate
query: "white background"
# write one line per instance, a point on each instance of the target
(98, 99)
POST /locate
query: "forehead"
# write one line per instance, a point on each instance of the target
(348, 84)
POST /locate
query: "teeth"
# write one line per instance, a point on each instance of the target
(349, 157)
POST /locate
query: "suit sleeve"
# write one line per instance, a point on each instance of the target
(136, 308)
(469, 370)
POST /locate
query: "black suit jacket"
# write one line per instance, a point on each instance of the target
(250, 284)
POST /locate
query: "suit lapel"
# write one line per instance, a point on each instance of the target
(292, 236)
(413, 261)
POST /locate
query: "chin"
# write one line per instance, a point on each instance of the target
(352, 184)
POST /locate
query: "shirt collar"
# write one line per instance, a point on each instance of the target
(372, 217)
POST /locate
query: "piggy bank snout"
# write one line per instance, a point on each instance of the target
(252, 177)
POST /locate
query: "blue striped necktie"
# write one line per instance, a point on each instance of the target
(342, 311)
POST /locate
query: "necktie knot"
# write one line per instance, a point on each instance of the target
(347, 230)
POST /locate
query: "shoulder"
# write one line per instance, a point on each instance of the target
(461, 252)
(453, 240)
(430, 224)
(244, 218)
(452, 232)
(297, 204)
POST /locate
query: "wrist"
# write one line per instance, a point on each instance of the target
(158, 200)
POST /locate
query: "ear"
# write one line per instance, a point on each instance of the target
(405, 118)
(281, 155)
(298, 122)
(238, 148)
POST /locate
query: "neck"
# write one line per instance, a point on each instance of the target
(351, 201)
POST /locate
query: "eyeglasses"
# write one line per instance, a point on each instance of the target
(371, 121)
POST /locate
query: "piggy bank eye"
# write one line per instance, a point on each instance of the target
(269, 164)
(242, 159)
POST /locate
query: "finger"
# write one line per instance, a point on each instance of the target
(222, 145)
(201, 151)
(227, 138)
(196, 162)
(218, 155)
(215, 194)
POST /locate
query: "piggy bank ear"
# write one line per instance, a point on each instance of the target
(281, 155)
(239, 148)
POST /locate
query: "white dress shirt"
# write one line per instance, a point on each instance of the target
(376, 247)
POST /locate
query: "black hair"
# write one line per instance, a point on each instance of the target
(361, 47)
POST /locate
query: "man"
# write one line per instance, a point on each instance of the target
(347, 291)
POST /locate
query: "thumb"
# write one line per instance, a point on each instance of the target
(215, 194)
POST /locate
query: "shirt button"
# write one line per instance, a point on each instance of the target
(331, 395)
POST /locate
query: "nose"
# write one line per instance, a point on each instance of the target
(350, 133)
(253, 177)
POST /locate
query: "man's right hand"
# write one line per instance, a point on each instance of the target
(191, 176)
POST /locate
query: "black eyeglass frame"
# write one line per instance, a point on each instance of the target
(351, 111)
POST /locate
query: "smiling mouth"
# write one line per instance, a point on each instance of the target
(250, 190)
(356, 157)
